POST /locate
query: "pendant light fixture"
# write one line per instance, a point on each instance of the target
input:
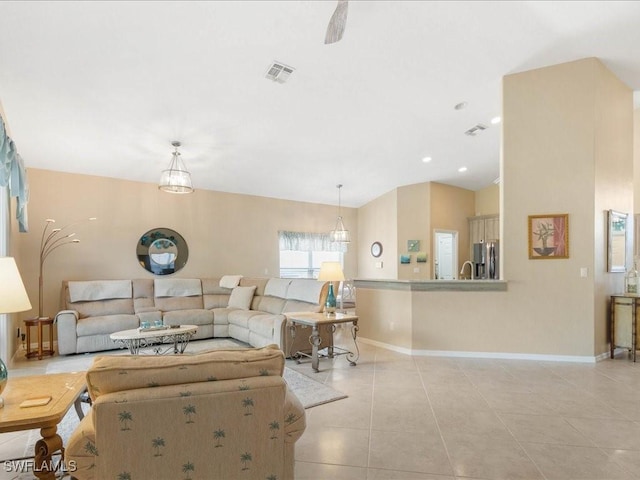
(340, 234)
(176, 179)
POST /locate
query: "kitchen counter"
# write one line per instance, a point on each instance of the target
(433, 285)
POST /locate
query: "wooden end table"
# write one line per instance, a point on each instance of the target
(315, 321)
(64, 389)
(137, 338)
(39, 323)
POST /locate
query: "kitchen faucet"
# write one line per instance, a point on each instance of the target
(468, 262)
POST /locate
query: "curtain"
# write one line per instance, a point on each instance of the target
(14, 176)
(309, 242)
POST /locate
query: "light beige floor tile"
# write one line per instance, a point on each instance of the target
(398, 418)
(446, 376)
(517, 402)
(398, 378)
(347, 413)
(418, 452)
(544, 429)
(609, 433)
(337, 446)
(374, 474)
(317, 471)
(490, 458)
(485, 424)
(629, 460)
(456, 397)
(407, 396)
(562, 462)
(581, 405)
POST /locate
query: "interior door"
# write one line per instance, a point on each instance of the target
(445, 254)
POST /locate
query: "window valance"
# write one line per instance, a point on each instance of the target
(14, 176)
(309, 242)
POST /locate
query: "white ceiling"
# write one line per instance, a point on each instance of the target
(102, 88)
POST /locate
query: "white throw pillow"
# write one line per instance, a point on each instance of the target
(241, 297)
(230, 281)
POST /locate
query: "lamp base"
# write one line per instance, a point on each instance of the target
(4, 374)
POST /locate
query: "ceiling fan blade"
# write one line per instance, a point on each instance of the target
(338, 21)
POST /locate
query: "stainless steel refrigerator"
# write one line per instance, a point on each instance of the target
(486, 260)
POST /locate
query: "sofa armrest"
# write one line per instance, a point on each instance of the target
(294, 417)
(81, 447)
(67, 333)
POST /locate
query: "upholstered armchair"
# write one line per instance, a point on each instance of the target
(224, 414)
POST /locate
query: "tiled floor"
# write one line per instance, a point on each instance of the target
(436, 418)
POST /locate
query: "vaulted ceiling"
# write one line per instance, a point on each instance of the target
(103, 88)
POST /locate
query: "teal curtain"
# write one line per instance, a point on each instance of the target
(14, 176)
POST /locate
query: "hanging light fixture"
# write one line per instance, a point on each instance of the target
(176, 179)
(340, 234)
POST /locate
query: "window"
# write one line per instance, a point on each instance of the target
(302, 254)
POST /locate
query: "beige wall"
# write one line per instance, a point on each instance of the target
(414, 217)
(226, 233)
(488, 201)
(377, 222)
(567, 148)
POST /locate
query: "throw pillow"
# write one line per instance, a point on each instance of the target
(241, 297)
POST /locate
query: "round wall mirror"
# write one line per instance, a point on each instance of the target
(162, 251)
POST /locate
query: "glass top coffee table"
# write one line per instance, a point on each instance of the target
(157, 338)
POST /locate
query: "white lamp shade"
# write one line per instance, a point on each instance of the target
(331, 272)
(13, 296)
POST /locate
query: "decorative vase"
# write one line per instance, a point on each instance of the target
(330, 304)
(4, 374)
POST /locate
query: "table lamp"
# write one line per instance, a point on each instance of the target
(13, 298)
(331, 272)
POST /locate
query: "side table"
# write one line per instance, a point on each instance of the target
(39, 323)
(316, 320)
(624, 329)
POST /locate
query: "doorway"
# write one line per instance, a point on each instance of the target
(445, 254)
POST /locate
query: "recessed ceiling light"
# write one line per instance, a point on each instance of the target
(462, 169)
(495, 120)
(426, 159)
(461, 106)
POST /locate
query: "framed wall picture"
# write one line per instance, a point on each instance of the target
(549, 236)
(413, 245)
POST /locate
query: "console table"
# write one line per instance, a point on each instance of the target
(624, 330)
(315, 321)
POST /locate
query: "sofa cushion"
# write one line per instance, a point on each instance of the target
(241, 297)
(272, 305)
(241, 317)
(114, 373)
(277, 287)
(99, 290)
(168, 304)
(177, 287)
(103, 325)
(98, 308)
(196, 316)
(260, 284)
(230, 281)
(221, 315)
(306, 290)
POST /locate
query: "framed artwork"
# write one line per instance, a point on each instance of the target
(413, 245)
(405, 258)
(548, 236)
(617, 229)
(421, 257)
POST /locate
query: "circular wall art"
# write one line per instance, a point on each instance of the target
(162, 251)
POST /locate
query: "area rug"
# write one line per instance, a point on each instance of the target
(310, 392)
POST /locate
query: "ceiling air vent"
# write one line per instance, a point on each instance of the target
(279, 72)
(473, 131)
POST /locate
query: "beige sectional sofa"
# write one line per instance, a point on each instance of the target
(252, 310)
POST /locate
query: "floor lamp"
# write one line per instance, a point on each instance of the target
(13, 298)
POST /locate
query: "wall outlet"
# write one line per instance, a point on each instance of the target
(378, 264)
(392, 326)
(416, 269)
(584, 272)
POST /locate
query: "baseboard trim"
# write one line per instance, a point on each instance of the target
(494, 355)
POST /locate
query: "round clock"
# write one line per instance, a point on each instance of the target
(376, 249)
